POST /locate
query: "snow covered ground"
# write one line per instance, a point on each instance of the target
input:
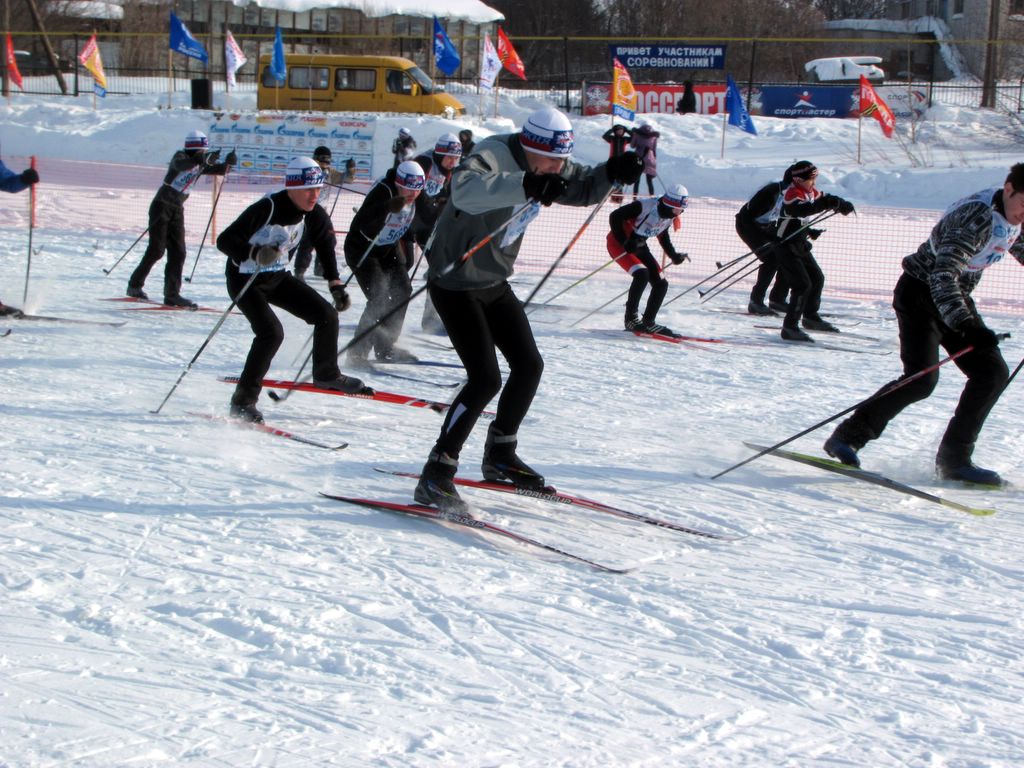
(175, 592)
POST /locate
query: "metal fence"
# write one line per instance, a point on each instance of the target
(104, 206)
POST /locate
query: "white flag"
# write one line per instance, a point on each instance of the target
(490, 65)
(234, 59)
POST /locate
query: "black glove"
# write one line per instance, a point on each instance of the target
(814, 234)
(211, 157)
(625, 168)
(29, 176)
(677, 257)
(839, 205)
(978, 335)
(395, 204)
(231, 159)
(545, 188)
(634, 243)
(341, 299)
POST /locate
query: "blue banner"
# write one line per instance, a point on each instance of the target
(181, 41)
(278, 67)
(734, 106)
(807, 101)
(669, 56)
(445, 55)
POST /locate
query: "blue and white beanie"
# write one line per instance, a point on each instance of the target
(448, 144)
(303, 173)
(196, 140)
(676, 196)
(409, 175)
(548, 132)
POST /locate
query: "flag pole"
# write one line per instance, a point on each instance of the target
(860, 122)
(724, 118)
(170, 77)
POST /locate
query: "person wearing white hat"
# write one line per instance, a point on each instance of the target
(631, 225)
(167, 217)
(508, 177)
(262, 241)
(381, 260)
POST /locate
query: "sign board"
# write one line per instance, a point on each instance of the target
(669, 56)
(654, 97)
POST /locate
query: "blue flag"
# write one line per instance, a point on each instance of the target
(277, 66)
(738, 114)
(445, 55)
(183, 42)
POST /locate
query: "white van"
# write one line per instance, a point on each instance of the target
(845, 69)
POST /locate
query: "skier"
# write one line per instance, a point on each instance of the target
(644, 141)
(437, 168)
(381, 261)
(15, 182)
(261, 240)
(167, 217)
(631, 225)
(618, 138)
(466, 140)
(934, 308)
(334, 177)
(508, 175)
(796, 262)
(403, 147)
(757, 223)
(687, 103)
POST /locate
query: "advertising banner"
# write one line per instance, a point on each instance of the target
(651, 97)
(265, 143)
(806, 101)
(669, 56)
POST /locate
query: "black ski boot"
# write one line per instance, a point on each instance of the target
(634, 323)
(136, 292)
(350, 385)
(793, 333)
(247, 412)
(180, 301)
(817, 323)
(755, 307)
(501, 464)
(436, 486)
(956, 464)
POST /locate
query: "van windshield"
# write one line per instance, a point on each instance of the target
(424, 82)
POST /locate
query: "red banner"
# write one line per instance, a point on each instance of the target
(871, 105)
(12, 64)
(509, 58)
(651, 97)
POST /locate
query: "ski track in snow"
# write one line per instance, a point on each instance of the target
(176, 593)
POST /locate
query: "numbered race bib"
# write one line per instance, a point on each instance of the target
(519, 224)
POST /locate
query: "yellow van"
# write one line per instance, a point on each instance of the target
(332, 83)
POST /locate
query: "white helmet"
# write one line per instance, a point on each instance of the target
(676, 196)
(196, 140)
(303, 173)
(409, 174)
(404, 133)
(448, 144)
(548, 132)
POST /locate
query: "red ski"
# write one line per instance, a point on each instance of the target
(379, 396)
(467, 520)
(267, 429)
(158, 306)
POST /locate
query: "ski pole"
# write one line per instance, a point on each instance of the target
(610, 301)
(575, 239)
(31, 228)
(130, 247)
(455, 265)
(209, 221)
(754, 252)
(902, 382)
(202, 346)
(589, 275)
(711, 292)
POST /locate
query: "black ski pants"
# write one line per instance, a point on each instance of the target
(284, 290)
(166, 233)
(385, 282)
(766, 248)
(648, 274)
(805, 279)
(479, 323)
(922, 332)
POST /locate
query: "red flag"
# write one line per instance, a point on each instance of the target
(871, 105)
(12, 64)
(509, 58)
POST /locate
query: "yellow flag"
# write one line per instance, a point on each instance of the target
(623, 93)
(90, 58)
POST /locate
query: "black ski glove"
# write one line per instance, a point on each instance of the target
(545, 188)
(978, 335)
(839, 204)
(210, 158)
(625, 168)
(677, 257)
(814, 234)
(30, 176)
(341, 299)
(231, 159)
(395, 204)
(634, 243)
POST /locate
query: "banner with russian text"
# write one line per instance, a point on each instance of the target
(90, 59)
(623, 93)
(871, 105)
